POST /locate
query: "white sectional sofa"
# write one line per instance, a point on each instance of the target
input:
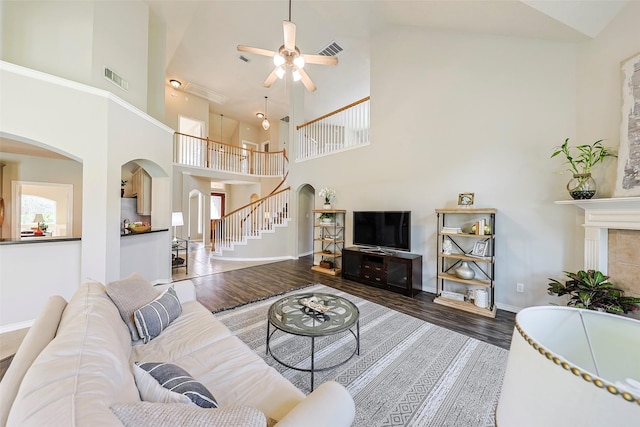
(75, 368)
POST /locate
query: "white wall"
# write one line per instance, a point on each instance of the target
(49, 36)
(77, 39)
(456, 112)
(30, 274)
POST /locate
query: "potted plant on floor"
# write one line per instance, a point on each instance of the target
(583, 186)
(592, 290)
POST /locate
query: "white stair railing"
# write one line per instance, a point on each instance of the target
(339, 130)
(199, 152)
(251, 220)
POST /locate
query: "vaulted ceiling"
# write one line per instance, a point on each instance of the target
(202, 37)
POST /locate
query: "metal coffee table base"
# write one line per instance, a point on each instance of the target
(313, 368)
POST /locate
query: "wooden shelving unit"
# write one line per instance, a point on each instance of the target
(328, 241)
(462, 244)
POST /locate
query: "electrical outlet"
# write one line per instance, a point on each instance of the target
(519, 287)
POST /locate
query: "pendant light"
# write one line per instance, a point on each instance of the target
(220, 127)
(265, 122)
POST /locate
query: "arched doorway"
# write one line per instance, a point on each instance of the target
(306, 194)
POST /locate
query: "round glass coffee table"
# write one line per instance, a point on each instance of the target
(333, 315)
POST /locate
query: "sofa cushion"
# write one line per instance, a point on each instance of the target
(151, 391)
(238, 376)
(144, 414)
(193, 329)
(177, 380)
(83, 371)
(129, 294)
(152, 318)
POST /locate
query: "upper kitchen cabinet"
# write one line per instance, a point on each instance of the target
(141, 189)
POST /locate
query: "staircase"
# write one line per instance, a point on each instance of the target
(251, 221)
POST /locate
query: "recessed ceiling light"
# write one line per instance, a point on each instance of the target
(259, 115)
(175, 83)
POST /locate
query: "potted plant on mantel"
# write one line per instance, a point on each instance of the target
(583, 186)
(592, 290)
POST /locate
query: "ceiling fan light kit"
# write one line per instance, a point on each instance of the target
(289, 56)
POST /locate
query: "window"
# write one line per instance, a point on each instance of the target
(33, 205)
(54, 201)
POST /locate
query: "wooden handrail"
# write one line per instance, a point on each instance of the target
(229, 145)
(339, 110)
(254, 202)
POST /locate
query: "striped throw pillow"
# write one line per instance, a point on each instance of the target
(177, 380)
(151, 319)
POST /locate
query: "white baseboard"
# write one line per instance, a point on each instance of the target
(282, 258)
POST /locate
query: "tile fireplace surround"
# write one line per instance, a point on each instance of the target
(601, 216)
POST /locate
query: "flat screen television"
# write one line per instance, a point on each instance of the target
(382, 229)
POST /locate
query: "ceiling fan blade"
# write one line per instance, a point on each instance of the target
(256, 50)
(289, 29)
(272, 78)
(306, 80)
(320, 59)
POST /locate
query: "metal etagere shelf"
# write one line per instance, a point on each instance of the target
(462, 244)
(328, 240)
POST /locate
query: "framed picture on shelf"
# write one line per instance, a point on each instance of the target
(480, 249)
(465, 200)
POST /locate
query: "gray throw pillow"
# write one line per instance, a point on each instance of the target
(176, 379)
(129, 294)
(145, 414)
(151, 319)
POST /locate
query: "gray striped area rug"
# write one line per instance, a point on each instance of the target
(409, 372)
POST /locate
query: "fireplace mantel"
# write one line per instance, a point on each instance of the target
(600, 215)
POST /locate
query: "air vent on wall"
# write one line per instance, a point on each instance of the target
(333, 49)
(116, 79)
(243, 58)
(206, 93)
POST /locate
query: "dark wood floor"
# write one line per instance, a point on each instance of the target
(225, 290)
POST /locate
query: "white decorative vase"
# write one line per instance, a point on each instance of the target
(327, 206)
(465, 271)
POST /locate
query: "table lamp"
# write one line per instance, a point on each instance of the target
(176, 221)
(571, 367)
(38, 219)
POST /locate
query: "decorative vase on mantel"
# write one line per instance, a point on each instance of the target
(582, 186)
(465, 271)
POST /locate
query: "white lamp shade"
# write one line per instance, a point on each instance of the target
(38, 218)
(176, 219)
(571, 367)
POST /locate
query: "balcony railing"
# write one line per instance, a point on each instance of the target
(205, 153)
(251, 220)
(340, 130)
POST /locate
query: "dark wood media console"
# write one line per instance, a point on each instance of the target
(398, 272)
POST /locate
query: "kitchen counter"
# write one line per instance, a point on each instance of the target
(35, 239)
(153, 230)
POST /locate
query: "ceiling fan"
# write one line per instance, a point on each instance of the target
(289, 56)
